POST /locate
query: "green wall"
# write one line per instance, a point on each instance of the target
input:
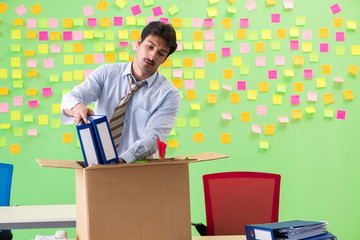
(317, 155)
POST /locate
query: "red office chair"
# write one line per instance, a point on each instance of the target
(233, 199)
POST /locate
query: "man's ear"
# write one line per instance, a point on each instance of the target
(139, 42)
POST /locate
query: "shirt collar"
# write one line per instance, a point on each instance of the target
(150, 80)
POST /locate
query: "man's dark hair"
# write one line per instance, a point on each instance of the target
(165, 31)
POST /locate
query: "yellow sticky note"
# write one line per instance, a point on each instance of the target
(263, 86)
(67, 76)
(67, 138)
(237, 61)
(259, 47)
(270, 2)
(56, 108)
(102, 5)
(323, 32)
(55, 36)
(43, 48)
(173, 143)
(320, 82)
(228, 73)
(198, 137)
(124, 56)
(89, 34)
(123, 34)
(15, 62)
(252, 95)
(121, 3)
(36, 9)
(178, 83)
(348, 94)
(15, 115)
(198, 45)
(269, 129)
(5, 126)
(31, 91)
(4, 91)
(109, 47)
(78, 75)
(104, 22)
(352, 25)
(14, 149)
(266, 34)
(3, 73)
(214, 85)
(235, 98)
(328, 98)
(135, 35)
(30, 34)
(281, 33)
(296, 114)
(191, 95)
(68, 23)
(32, 73)
(241, 34)
(289, 73)
(277, 99)
(355, 50)
(17, 73)
(294, 32)
(353, 69)
(245, 116)
(226, 138)
(326, 69)
(16, 34)
(43, 120)
(212, 12)
(264, 144)
(307, 47)
(338, 22)
(226, 23)
(178, 35)
(298, 86)
(298, 60)
(195, 106)
(18, 22)
(68, 59)
(310, 110)
(211, 57)
(211, 98)
(199, 73)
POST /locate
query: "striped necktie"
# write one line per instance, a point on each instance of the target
(117, 120)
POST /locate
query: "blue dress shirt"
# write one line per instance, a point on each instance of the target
(150, 113)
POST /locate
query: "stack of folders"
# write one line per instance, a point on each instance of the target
(96, 141)
(289, 230)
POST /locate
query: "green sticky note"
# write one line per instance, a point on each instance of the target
(173, 9)
(245, 70)
(340, 50)
(55, 123)
(3, 142)
(275, 45)
(18, 84)
(228, 36)
(77, 143)
(186, 22)
(79, 59)
(264, 144)
(42, 23)
(15, 47)
(64, 91)
(329, 113)
(253, 35)
(28, 118)
(188, 74)
(281, 87)
(188, 45)
(177, 62)
(99, 34)
(18, 131)
(232, 10)
(141, 21)
(109, 35)
(181, 122)
(166, 72)
(148, 3)
(99, 47)
(68, 48)
(300, 21)
(54, 77)
(194, 122)
(78, 22)
(313, 57)
(172, 133)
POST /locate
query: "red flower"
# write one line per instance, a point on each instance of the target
(162, 149)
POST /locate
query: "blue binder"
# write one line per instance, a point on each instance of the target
(104, 139)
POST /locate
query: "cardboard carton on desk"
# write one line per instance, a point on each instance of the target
(137, 201)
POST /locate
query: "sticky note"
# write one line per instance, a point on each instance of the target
(355, 50)
(269, 129)
(335, 8)
(272, 74)
(173, 143)
(307, 47)
(245, 116)
(263, 86)
(296, 114)
(329, 112)
(241, 85)
(277, 99)
(16, 34)
(102, 5)
(32, 132)
(198, 137)
(16, 73)
(47, 92)
(244, 48)
(4, 126)
(226, 138)
(259, 47)
(226, 116)
(340, 36)
(324, 47)
(195, 106)
(294, 32)
(3, 7)
(339, 80)
(20, 10)
(56, 108)
(245, 70)
(14, 149)
(266, 34)
(295, 99)
(212, 12)
(251, 5)
(227, 87)
(353, 69)
(36, 9)
(281, 87)
(88, 11)
(256, 128)
(260, 61)
(54, 48)
(225, 52)
(261, 110)
(4, 107)
(244, 22)
(48, 63)
(121, 3)
(283, 119)
(4, 91)
(323, 32)
(320, 82)
(136, 10)
(214, 85)
(194, 122)
(208, 22)
(348, 94)
(33, 103)
(178, 83)
(338, 22)
(312, 96)
(281, 33)
(298, 60)
(351, 25)
(43, 119)
(264, 144)
(228, 73)
(28, 118)
(310, 110)
(15, 115)
(191, 95)
(275, 18)
(298, 86)
(341, 114)
(288, 4)
(294, 44)
(3, 139)
(326, 69)
(67, 138)
(279, 60)
(275, 45)
(157, 11)
(328, 98)
(173, 9)
(252, 95)
(234, 98)
(308, 73)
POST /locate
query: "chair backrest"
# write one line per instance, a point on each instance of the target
(234, 199)
(6, 171)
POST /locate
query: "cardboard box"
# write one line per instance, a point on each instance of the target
(136, 201)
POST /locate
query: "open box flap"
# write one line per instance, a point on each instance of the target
(60, 163)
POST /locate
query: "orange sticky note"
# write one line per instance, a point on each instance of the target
(105, 22)
(32, 73)
(36, 9)
(29, 53)
(4, 91)
(323, 32)
(89, 59)
(30, 34)
(235, 98)
(338, 22)
(298, 86)
(55, 36)
(68, 23)
(198, 137)
(67, 138)
(178, 83)
(173, 143)
(296, 114)
(328, 98)
(191, 95)
(177, 22)
(269, 129)
(31, 92)
(228, 74)
(167, 63)
(245, 116)
(226, 23)
(211, 57)
(198, 36)
(326, 69)
(14, 149)
(3, 7)
(211, 98)
(135, 35)
(241, 34)
(226, 138)
(110, 57)
(348, 94)
(281, 33)
(259, 47)
(353, 69)
(188, 62)
(263, 86)
(298, 60)
(78, 48)
(102, 5)
(18, 22)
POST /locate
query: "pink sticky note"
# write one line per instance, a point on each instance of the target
(260, 61)
(208, 22)
(226, 116)
(209, 34)
(4, 107)
(47, 92)
(251, 5)
(324, 47)
(283, 119)
(67, 36)
(340, 36)
(157, 11)
(288, 4)
(226, 52)
(256, 128)
(91, 22)
(99, 58)
(78, 35)
(18, 101)
(150, 19)
(209, 46)
(241, 85)
(308, 73)
(48, 63)
(312, 96)
(335, 8)
(134, 46)
(275, 18)
(31, 63)
(55, 49)
(197, 22)
(88, 11)
(295, 99)
(43, 36)
(164, 20)
(33, 103)
(244, 48)
(306, 34)
(272, 74)
(189, 84)
(136, 10)
(21, 10)
(338, 80)
(31, 23)
(87, 73)
(177, 73)
(244, 22)
(279, 60)
(180, 47)
(227, 87)
(32, 132)
(199, 62)
(261, 110)
(118, 21)
(53, 23)
(123, 44)
(294, 44)
(341, 114)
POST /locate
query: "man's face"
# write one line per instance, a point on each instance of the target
(152, 52)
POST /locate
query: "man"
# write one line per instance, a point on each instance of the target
(151, 110)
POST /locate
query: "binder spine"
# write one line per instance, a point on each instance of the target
(255, 233)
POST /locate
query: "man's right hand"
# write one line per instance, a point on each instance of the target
(80, 111)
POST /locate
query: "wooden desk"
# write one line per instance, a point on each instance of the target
(242, 237)
(47, 216)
